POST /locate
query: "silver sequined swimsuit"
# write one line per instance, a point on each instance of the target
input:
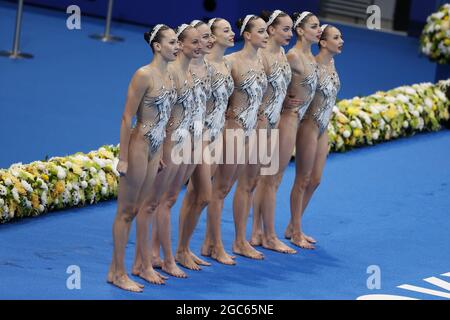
(324, 99)
(163, 102)
(222, 87)
(279, 80)
(254, 85)
(181, 116)
(202, 93)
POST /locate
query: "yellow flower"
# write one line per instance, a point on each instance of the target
(357, 133)
(12, 206)
(19, 187)
(352, 111)
(391, 113)
(344, 103)
(44, 177)
(110, 179)
(35, 201)
(106, 154)
(76, 169)
(59, 187)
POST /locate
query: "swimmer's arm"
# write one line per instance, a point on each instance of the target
(136, 90)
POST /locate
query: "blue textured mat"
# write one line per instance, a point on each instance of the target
(386, 205)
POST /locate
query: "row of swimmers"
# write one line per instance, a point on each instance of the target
(190, 87)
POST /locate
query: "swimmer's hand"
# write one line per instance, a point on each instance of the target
(293, 103)
(162, 165)
(122, 167)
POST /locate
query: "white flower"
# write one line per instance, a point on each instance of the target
(61, 173)
(75, 197)
(2, 202)
(68, 164)
(100, 162)
(346, 134)
(114, 167)
(410, 91)
(75, 186)
(14, 172)
(83, 175)
(84, 184)
(402, 98)
(44, 186)
(15, 194)
(102, 176)
(405, 124)
(439, 15)
(66, 196)
(56, 201)
(41, 208)
(428, 103)
(358, 123)
(104, 191)
(44, 198)
(5, 209)
(366, 117)
(28, 203)
(41, 166)
(441, 95)
(353, 124)
(421, 123)
(69, 186)
(26, 185)
(92, 170)
(390, 99)
(376, 135)
(93, 182)
(82, 158)
(3, 191)
(8, 182)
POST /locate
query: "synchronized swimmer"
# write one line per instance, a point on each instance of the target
(189, 95)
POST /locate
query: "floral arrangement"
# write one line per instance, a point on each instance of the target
(435, 39)
(60, 182)
(387, 115)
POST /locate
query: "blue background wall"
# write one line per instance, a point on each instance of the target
(175, 12)
(420, 10)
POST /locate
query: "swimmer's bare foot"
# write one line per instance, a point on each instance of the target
(151, 276)
(199, 261)
(135, 270)
(206, 250)
(245, 249)
(288, 232)
(257, 239)
(125, 283)
(273, 243)
(309, 239)
(185, 259)
(301, 242)
(219, 254)
(172, 269)
(110, 276)
(157, 263)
